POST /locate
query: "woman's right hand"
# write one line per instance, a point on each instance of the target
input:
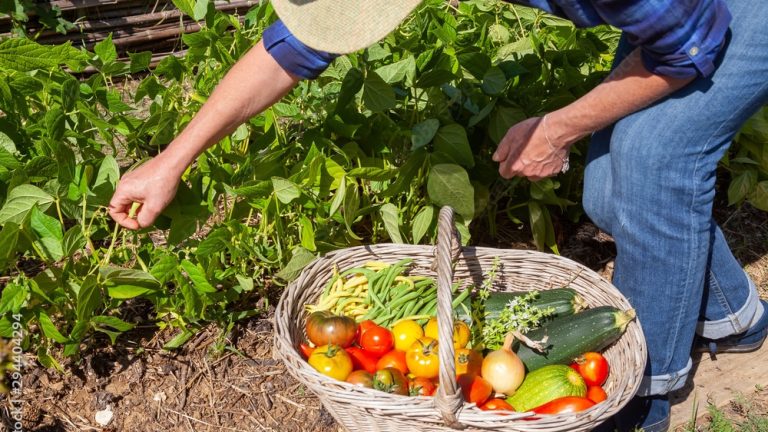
(152, 185)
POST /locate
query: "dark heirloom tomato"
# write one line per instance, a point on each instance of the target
(390, 380)
(593, 367)
(361, 378)
(325, 328)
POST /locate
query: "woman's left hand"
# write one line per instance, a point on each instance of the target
(526, 151)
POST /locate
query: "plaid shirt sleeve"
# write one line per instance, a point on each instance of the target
(678, 38)
(292, 55)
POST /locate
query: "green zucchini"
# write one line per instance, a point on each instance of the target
(570, 336)
(564, 301)
(547, 384)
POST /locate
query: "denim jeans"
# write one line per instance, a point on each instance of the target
(650, 183)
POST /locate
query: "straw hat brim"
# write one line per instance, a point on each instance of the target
(342, 26)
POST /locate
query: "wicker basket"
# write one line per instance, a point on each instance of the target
(365, 410)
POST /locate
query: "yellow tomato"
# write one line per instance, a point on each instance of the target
(331, 360)
(405, 333)
(461, 332)
(468, 361)
(422, 358)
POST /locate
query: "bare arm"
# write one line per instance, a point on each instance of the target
(525, 150)
(253, 84)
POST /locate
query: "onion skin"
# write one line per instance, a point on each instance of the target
(504, 369)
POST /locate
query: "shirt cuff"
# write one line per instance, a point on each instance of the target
(698, 55)
(292, 55)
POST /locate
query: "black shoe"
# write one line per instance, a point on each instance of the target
(750, 340)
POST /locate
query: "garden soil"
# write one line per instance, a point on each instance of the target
(233, 383)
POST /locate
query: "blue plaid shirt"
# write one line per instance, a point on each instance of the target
(679, 38)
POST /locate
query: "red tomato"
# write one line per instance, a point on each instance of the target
(306, 350)
(596, 394)
(363, 327)
(568, 404)
(361, 378)
(474, 388)
(496, 404)
(593, 367)
(362, 359)
(395, 359)
(377, 340)
(421, 386)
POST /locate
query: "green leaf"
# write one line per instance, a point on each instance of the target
(114, 322)
(391, 217)
(422, 222)
(373, 173)
(49, 233)
(494, 81)
(73, 240)
(24, 55)
(452, 140)
(47, 361)
(378, 96)
(164, 268)
(741, 185)
(398, 71)
(181, 338)
(349, 208)
(215, 242)
(9, 238)
(200, 9)
(541, 226)
(126, 291)
(350, 85)
(498, 33)
(106, 50)
(186, 6)
(140, 61)
(8, 153)
(54, 123)
(448, 185)
(49, 328)
(197, 276)
(434, 78)
(307, 234)
(13, 298)
(106, 181)
(338, 197)
(88, 298)
(502, 119)
(422, 133)
(70, 93)
(285, 190)
(759, 196)
(300, 259)
(125, 283)
(20, 202)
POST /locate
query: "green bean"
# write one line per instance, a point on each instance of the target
(403, 299)
(460, 299)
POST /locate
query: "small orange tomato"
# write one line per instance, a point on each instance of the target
(475, 389)
(596, 394)
(593, 367)
(422, 358)
(468, 361)
(395, 359)
(421, 386)
(496, 404)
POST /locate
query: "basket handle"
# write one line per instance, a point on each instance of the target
(448, 400)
